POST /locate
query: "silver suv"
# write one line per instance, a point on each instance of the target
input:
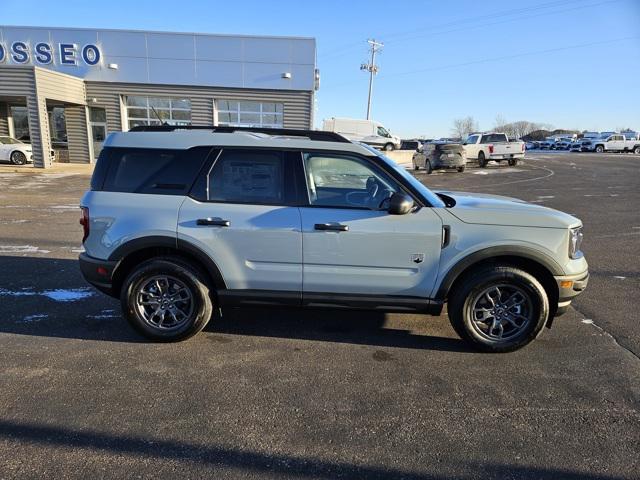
(181, 220)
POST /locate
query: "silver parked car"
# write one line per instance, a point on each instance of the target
(181, 220)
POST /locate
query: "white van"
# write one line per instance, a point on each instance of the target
(365, 131)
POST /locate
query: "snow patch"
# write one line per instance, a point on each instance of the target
(5, 222)
(65, 208)
(104, 315)
(21, 249)
(62, 295)
(33, 318)
(59, 295)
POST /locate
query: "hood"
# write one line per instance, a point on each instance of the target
(497, 210)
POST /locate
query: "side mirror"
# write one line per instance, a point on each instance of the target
(400, 204)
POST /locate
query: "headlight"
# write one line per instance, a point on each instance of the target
(575, 241)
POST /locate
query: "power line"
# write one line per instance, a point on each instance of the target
(508, 57)
(372, 68)
(495, 59)
(500, 22)
(345, 49)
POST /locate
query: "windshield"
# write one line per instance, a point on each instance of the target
(9, 140)
(431, 197)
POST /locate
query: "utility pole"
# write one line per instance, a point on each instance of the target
(372, 68)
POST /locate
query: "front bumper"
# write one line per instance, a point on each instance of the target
(569, 287)
(98, 273)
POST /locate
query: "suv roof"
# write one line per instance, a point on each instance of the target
(179, 137)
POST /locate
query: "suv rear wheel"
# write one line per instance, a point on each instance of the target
(498, 308)
(166, 299)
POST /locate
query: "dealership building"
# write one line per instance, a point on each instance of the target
(64, 89)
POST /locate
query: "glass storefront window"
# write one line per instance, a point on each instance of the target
(242, 113)
(156, 111)
(20, 121)
(57, 125)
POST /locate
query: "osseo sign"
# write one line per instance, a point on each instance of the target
(43, 53)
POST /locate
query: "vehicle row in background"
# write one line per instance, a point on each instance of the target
(591, 142)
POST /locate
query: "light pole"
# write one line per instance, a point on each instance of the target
(372, 68)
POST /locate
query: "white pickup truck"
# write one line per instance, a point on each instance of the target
(616, 143)
(493, 146)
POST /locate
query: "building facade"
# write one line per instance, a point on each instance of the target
(64, 90)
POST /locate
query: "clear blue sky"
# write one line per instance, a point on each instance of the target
(442, 59)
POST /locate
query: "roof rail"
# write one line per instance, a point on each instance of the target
(317, 135)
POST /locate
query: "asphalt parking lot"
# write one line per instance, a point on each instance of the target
(316, 394)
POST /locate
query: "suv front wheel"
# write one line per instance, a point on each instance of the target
(166, 299)
(498, 308)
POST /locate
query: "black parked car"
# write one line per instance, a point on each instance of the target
(410, 145)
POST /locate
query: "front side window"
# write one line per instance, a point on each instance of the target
(345, 181)
(472, 140)
(382, 132)
(241, 113)
(158, 111)
(243, 176)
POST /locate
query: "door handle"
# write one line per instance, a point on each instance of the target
(334, 227)
(213, 222)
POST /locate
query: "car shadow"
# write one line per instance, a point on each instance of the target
(27, 310)
(358, 327)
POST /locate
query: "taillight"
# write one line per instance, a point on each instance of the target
(523, 147)
(490, 148)
(84, 221)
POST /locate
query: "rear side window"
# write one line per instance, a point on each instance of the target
(157, 171)
(245, 176)
(494, 137)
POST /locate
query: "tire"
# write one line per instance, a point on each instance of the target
(482, 161)
(478, 288)
(150, 319)
(636, 150)
(428, 167)
(460, 169)
(513, 162)
(18, 158)
(599, 149)
(389, 147)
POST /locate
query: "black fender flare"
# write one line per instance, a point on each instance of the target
(180, 246)
(521, 252)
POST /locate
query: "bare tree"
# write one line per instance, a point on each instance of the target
(518, 129)
(462, 127)
(499, 122)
